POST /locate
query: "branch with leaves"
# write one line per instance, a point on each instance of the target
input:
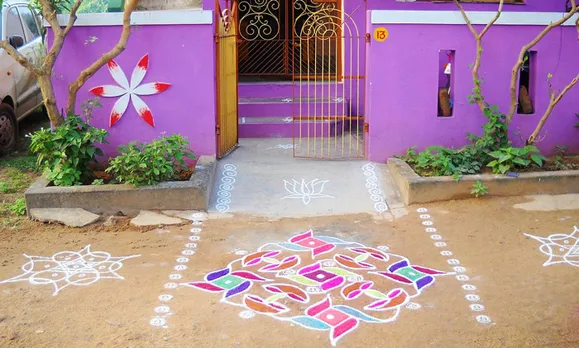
(43, 72)
(521, 60)
(478, 97)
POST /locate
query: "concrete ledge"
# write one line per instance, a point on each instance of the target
(416, 189)
(112, 199)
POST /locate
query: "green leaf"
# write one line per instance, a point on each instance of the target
(492, 163)
(340, 271)
(505, 157)
(496, 154)
(521, 161)
(503, 168)
(375, 294)
(302, 280)
(538, 159)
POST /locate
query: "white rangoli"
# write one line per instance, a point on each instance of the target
(67, 268)
(560, 247)
(306, 191)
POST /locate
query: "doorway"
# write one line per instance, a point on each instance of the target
(269, 44)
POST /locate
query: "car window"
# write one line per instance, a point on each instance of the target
(29, 23)
(13, 25)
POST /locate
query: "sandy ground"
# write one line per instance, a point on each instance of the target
(525, 303)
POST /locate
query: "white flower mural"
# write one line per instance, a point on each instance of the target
(130, 91)
(306, 191)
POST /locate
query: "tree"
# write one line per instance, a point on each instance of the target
(554, 97)
(44, 70)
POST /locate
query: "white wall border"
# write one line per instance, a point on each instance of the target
(476, 17)
(167, 17)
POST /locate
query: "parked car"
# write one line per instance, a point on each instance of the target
(19, 90)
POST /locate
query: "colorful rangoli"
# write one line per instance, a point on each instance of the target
(344, 283)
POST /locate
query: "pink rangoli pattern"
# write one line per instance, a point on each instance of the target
(369, 285)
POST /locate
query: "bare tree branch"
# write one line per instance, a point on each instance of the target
(59, 35)
(553, 101)
(525, 49)
(87, 73)
(20, 58)
(478, 37)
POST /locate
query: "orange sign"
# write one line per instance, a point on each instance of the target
(380, 34)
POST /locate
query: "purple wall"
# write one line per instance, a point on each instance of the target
(404, 78)
(530, 6)
(182, 55)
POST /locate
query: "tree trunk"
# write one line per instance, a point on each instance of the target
(47, 90)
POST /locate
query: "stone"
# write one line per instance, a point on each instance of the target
(149, 218)
(112, 221)
(186, 214)
(71, 217)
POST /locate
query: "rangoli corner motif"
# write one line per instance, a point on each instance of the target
(68, 268)
(343, 284)
(132, 91)
(560, 247)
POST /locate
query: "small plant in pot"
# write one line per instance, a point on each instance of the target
(163, 159)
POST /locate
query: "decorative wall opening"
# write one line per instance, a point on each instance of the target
(269, 46)
(445, 82)
(527, 85)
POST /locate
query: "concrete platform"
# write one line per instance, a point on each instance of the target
(263, 178)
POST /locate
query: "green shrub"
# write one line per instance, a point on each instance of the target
(18, 207)
(492, 149)
(64, 154)
(150, 163)
(479, 189)
(509, 158)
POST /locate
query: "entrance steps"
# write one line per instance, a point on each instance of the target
(281, 117)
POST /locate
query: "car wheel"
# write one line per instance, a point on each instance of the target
(8, 129)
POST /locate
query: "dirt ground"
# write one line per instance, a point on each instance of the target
(495, 292)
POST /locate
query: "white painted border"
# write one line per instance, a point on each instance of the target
(476, 17)
(167, 17)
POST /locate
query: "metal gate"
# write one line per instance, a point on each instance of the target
(328, 85)
(267, 49)
(227, 80)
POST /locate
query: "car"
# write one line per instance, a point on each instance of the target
(20, 93)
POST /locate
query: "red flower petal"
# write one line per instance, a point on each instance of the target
(316, 308)
(206, 286)
(342, 329)
(427, 270)
(248, 275)
(395, 277)
(301, 236)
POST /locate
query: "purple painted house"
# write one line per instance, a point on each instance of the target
(342, 78)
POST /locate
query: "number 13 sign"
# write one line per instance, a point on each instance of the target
(380, 34)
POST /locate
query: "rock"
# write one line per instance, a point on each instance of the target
(186, 214)
(149, 218)
(72, 217)
(113, 220)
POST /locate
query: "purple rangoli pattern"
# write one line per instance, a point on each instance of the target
(369, 285)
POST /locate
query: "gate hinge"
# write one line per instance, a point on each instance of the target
(218, 129)
(366, 127)
(367, 37)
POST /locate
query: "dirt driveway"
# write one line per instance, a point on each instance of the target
(459, 274)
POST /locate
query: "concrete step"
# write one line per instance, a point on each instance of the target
(285, 89)
(280, 127)
(265, 107)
